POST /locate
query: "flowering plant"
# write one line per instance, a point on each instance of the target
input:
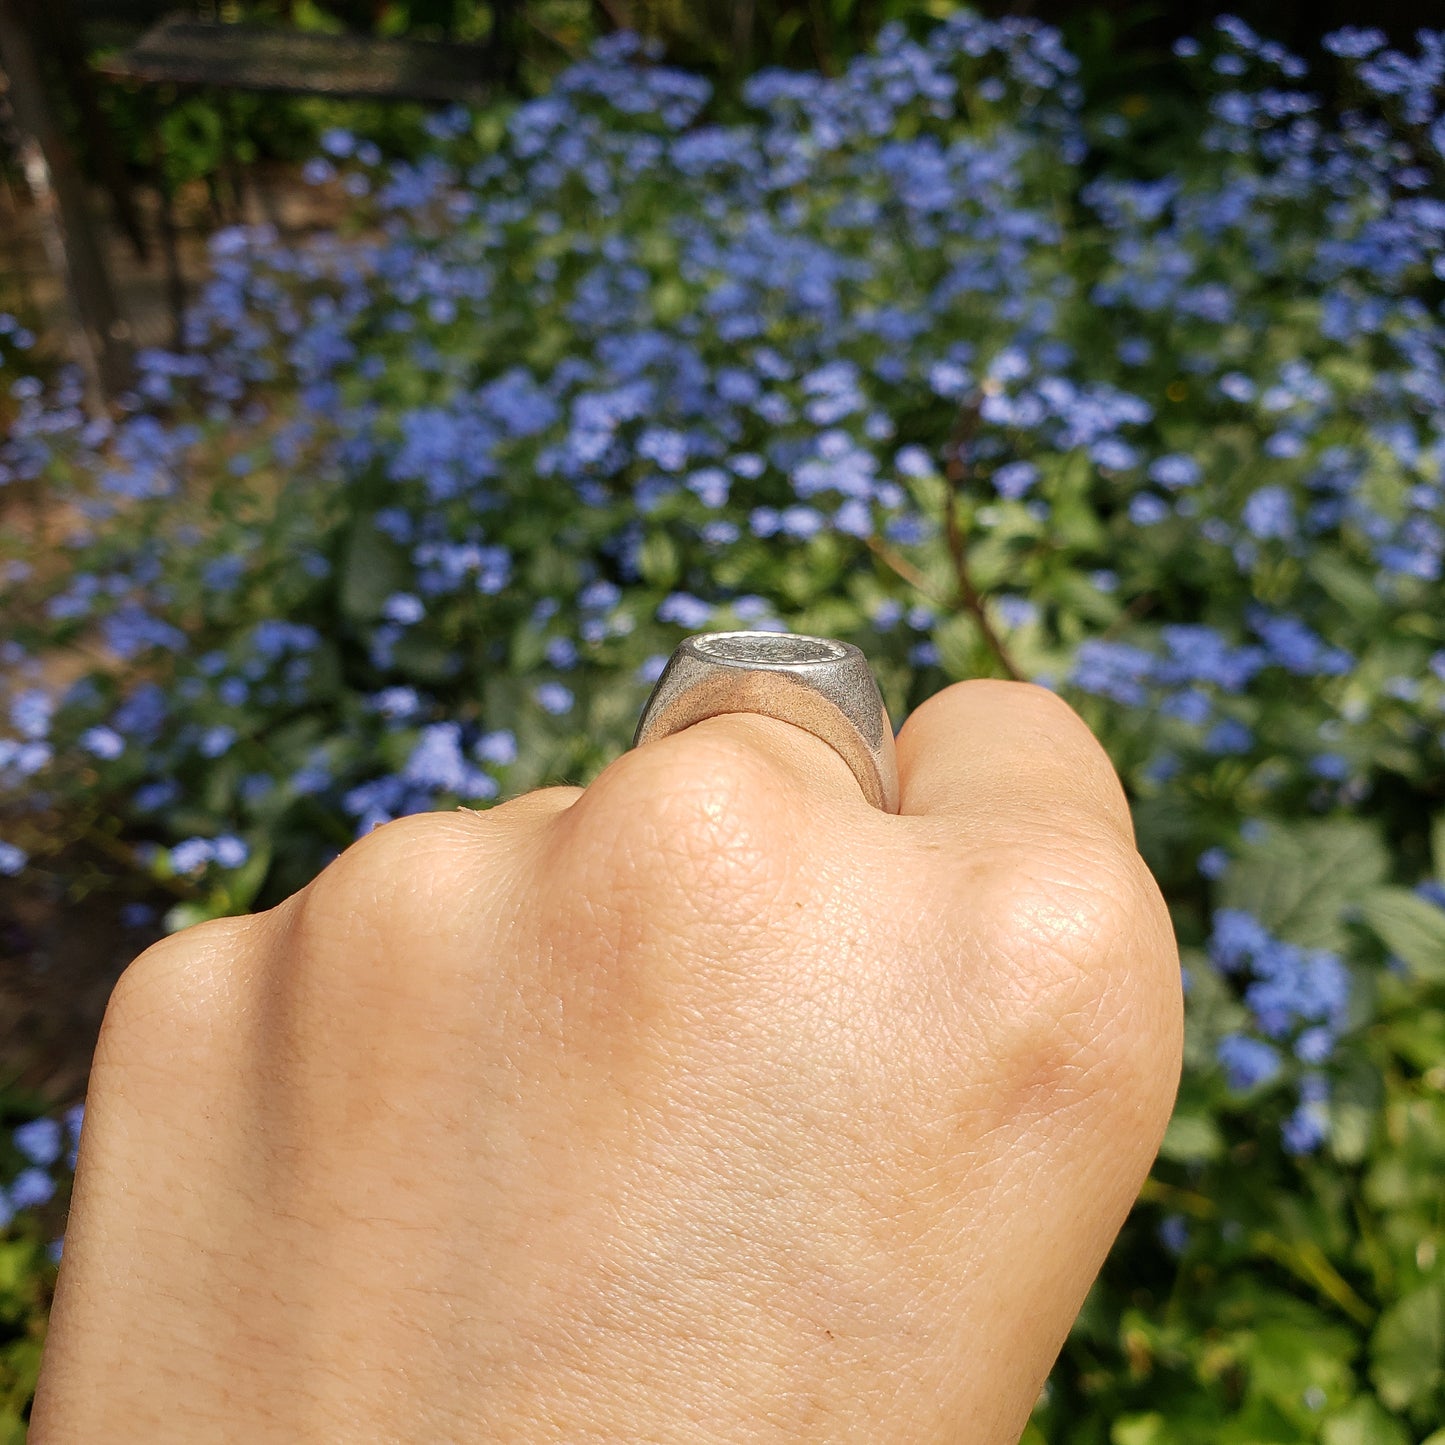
(899, 357)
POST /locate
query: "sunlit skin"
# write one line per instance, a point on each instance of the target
(706, 1103)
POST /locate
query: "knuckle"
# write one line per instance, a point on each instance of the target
(701, 811)
(174, 989)
(391, 872)
(392, 925)
(1095, 1000)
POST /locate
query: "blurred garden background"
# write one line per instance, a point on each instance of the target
(387, 387)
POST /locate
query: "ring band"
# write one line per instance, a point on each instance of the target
(816, 683)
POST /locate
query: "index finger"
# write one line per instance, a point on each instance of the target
(1011, 756)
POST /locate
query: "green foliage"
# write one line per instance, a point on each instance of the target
(420, 515)
(24, 1272)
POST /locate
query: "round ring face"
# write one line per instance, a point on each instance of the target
(761, 649)
(816, 683)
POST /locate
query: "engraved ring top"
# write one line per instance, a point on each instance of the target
(762, 649)
(816, 683)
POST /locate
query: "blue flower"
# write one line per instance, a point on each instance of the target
(1114, 670)
(1174, 1233)
(685, 610)
(404, 608)
(853, 519)
(498, 747)
(1295, 647)
(1305, 1129)
(561, 652)
(192, 855)
(1175, 471)
(600, 596)
(1213, 862)
(554, 698)
(1113, 455)
(1147, 510)
(1015, 479)
(913, 461)
(1016, 611)
(31, 1188)
(1162, 767)
(1248, 1063)
(12, 859)
(710, 486)
(157, 796)
(1269, 512)
(30, 714)
(230, 851)
(39, 1141)
(437, 762)
(310, 780)
(1190, 705)
(1228, 737)
(800, 522)
(1354, 42)
(74, 1119)
(1238, 938)
(216, 740)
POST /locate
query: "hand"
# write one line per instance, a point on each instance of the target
(704, 1104)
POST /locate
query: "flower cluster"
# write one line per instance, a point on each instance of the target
(422, 507)
(44, 1145)
(912, 356)
(1299, 997)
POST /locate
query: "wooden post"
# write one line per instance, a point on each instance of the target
(56, 31)
(60, 200)
(505, 42)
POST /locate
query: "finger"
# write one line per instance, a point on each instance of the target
(538, 805)
(1010, 756)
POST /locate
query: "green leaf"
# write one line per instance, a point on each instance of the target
(1347, 582)
(245, 883)
(423, 659)
(1363, 1423)
(1407, 1350)
(658, 560)
(372, 568)
(1297, 881)
(186, 915)
(1355, 1102)
(1192, 1138)
(1150, 1429)
(1411, 927)
(1437, 846)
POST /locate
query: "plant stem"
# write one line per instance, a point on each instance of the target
(955, 471)
(901, 566)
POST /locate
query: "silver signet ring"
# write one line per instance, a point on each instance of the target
(816, 683)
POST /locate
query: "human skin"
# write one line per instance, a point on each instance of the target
(706, 1103)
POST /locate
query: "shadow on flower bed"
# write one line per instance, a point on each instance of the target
(419, 515)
